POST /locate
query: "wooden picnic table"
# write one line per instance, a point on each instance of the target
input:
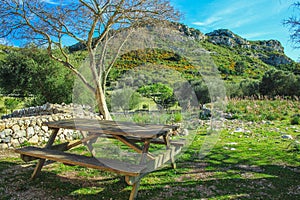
(137, 137)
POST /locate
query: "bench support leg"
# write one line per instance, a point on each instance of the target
(134, 190)
(136, 185)
(167, 142)
(41, 162)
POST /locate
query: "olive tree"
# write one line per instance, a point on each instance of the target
(92, 23)
(278, 82)
(125, 99)
(161, 94)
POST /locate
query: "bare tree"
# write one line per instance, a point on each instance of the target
(90, 22)
(293, 22)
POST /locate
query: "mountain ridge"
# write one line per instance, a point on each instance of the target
(226, 37)
(270, 52)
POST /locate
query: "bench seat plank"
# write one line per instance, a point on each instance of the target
(115, 166)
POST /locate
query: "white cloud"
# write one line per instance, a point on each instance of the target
(4, 41)
(242, 21)
(53, 2)
(208, 21)
(233, 14)
(255, 35)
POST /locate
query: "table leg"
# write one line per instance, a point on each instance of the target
(136, 185)
(41, 162)
(89, 140)
(133, 145)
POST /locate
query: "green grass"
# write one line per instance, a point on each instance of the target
(250, 160)
(4, 110)
(262, 110)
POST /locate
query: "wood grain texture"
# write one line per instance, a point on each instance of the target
(115, 166)
(114, 127)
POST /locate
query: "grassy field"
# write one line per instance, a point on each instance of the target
(250, 160)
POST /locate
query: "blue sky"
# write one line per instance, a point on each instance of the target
(251, 19)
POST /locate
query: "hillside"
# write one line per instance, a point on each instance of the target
(236, 58)
(249, 68)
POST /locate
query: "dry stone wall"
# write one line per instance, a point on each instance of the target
(23, 127)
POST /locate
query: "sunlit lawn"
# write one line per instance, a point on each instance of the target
(250, 160)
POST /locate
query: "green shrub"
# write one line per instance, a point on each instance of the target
(251, 117)
(140, 118)
(177, 117)
(30, 72)
(2, 110)
(295, 119)
(11, 103)
(271, 116)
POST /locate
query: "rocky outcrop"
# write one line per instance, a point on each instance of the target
(227, 38)
(269, 51)
(191, 32)
(268, 45)
(275, 59)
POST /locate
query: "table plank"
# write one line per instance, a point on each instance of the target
(114, 127)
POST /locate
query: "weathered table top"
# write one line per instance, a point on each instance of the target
(147, 131)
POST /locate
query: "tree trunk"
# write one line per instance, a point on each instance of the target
(101, 103)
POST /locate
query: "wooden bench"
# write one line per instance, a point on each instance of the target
(129, 134)
(111, 165)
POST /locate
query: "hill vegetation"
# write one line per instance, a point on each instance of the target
(249, 68)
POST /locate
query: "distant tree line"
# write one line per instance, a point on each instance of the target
(273, 83)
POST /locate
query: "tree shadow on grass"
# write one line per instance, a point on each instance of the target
(273, 182)
(226, 175)
(16, 183)
(212, 177)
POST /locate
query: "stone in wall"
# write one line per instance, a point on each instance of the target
(2, 126)
(30, 132)
(19, 134)
(15, 131)
(34, 139)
